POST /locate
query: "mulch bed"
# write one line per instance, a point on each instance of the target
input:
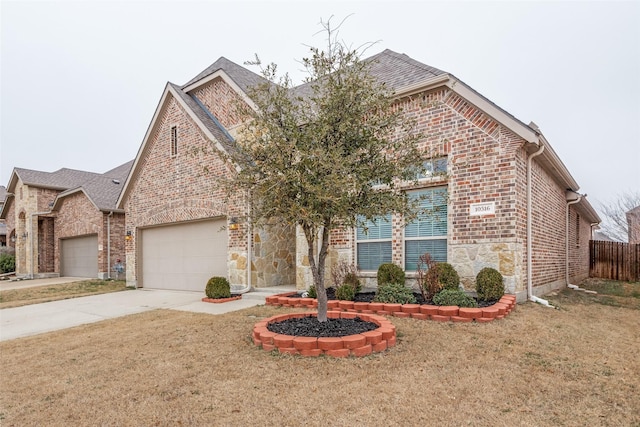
(311, 327)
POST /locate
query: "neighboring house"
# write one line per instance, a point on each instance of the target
(3, 225)
(633, 225)
(502, 196)
(65, 222)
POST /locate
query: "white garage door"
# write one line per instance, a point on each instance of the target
(80, 256)
(184, 256)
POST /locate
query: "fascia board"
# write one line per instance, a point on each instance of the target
(494, 111)
(228, 80)
(58, 201)
(5, 206)
(561, 171)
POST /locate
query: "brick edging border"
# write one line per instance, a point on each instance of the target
(358, 345)
(221, 300)
(453, 313)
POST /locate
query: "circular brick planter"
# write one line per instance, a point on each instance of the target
(221, 300)
(358, 345)
(453, 313)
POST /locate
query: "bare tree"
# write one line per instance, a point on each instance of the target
(614, 221)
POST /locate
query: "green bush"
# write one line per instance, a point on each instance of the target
(390, 273)
(352, 279)
(448, 276)
(218, 287)
(454, 297)
(7, 263)
(489, 284)
(346, 292)
(439, 276)
(312, 293)
(394, 293)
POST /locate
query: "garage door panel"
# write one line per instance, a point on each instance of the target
(79, 256)
(184, 256)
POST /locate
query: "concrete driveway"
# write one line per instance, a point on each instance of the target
(51, 316)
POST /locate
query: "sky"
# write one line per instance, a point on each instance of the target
(80, 81)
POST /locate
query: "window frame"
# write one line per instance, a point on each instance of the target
(358, 241)
(443, 237)
(173, 140)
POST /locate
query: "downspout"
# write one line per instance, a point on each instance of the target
(109, 245)
(569, 203)
(530, 295)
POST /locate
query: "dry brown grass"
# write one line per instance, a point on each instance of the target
(575, 366)
(18, 297)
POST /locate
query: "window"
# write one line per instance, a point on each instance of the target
(374, 243)
(577, 230)
(174, 141)
(428, 233)
(433, 167)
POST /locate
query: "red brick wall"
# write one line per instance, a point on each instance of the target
(488, 163)
(548, 228)
(220, 99)
(179, 188)
(77, 216)
(579, 236)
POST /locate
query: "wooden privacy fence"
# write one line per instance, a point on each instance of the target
(614, 260)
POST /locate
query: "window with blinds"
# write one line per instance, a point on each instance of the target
(374, 243)
(428, 233)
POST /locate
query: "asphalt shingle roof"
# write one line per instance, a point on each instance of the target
(240, 75)
(102, 189)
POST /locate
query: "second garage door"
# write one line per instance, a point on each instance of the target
(184, 256)
(79, 256)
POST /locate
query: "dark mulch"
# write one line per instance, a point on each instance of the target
(367, 296)
(311, 327)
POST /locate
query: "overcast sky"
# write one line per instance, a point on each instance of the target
(80, 81)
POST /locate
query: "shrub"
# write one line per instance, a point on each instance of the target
(454, 297)
(448, 276)
(7, 263)
(341, 270)
(312, 292)
(352, 279)
(394, 293)
(346, 292)
(218, 287)
(390, 273)
(489, 284)
(438, 276)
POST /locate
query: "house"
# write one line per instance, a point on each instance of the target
(504, 198)
(633, 225)
(3, 225)
(65, 222)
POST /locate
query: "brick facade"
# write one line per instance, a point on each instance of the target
(487, 162)
(39, 227)
(487, 153)
(169, 189)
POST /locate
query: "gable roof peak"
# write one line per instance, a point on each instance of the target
(243, 77)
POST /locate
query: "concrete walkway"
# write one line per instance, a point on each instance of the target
(51, 316)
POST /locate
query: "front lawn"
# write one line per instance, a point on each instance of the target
(18, 297)
(575, 366)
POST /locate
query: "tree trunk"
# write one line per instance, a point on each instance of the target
(317, 270)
